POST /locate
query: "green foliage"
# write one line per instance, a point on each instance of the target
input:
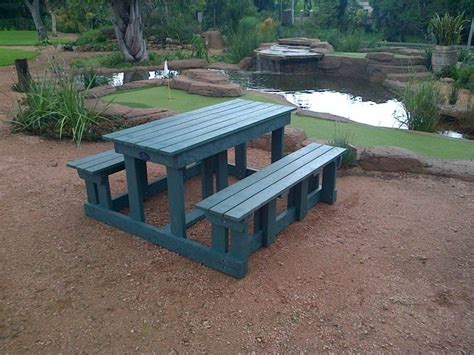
(83, 15)
(344, 138)
(226, 15)
(421, 102)
(199, 48)
(346, 42)
(249, 35)
(447, 29)
(8, 55)
(428, 55)
(53, 107)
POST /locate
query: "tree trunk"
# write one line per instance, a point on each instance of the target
(23, 73)
(54, 33)
(35, 13)
(129, 30)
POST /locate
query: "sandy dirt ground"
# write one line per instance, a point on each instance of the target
(388, 267)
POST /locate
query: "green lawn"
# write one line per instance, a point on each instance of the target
(361, 135)
(8, 55)
(24, 38)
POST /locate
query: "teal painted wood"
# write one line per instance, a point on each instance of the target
(176, 201)
(241, 160)
(203, 124)
(207, 177)
(220, 239)
(245, 189)
(222, 172)
(258, 198)
(136, 171)
(239, 245)
(301, 199)
(104, 162)
(185, 247)
(328, 192)
(92, 195)
(105, 198)
(269, 215)
(278, 144)
(183, 117)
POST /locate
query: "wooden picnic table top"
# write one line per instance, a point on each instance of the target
(183, 132)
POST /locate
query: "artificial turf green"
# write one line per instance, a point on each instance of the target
(432, 145)
(8, 55)
(23, 38)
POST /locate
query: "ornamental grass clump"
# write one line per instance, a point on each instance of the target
(421, 103)
(54, 107)
(447, 29)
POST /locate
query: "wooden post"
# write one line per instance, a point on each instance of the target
(471, 32)
(23, 73)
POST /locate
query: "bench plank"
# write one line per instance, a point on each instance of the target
(82, 161)
(234, 189)
(250, 190)
(271, 192)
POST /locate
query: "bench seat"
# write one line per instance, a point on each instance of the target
(297, 174)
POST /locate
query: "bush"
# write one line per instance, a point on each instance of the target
(421, 102)
(343, 139)
(428, 55)
(249, 35)
(199, 48)
(447, 29)
(53, 107)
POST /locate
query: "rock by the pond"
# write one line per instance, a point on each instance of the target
(121, 116)
(322, 47)
(206, 83)
(381, 56)
(213, 40)
(184, 64)
(298, 41)
(246, 63)
(100, 91)
(330, 63)
(294, 138)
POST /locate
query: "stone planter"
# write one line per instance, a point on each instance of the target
(443, 57)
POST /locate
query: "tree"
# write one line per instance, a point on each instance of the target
(34, 8)
(129, 30)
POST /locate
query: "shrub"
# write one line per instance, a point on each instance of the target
(447, 29)
(343, 139)
(199, 48)
(421, 102)
(53, 107)
(248, 36)
(428, 54)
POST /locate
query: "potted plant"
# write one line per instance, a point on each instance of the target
(447, 30)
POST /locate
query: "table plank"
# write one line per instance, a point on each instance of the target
(168, 132)
(245, 118)
(175, 118)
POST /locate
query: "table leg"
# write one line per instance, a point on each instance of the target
(241, 160)
(176, 201)
(207, 171)
(222, 173)
(136, 183)
(277, 144)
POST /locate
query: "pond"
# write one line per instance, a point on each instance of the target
(356, 100)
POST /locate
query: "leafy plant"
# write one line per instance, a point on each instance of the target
(53, 107)
(421, 102)
(199, 48)
(343, 139)
(447, 29)
(428, 55)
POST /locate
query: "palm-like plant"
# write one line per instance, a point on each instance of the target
(447, 29)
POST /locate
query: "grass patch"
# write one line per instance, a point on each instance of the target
(25, 38)
(361, 135)
(348, 54)
(8, 55)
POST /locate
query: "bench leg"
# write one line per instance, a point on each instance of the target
(301, 199)
(268, 222)
(313, 183)
(103, 189)
(328, 191)
(220, 239)
(92, 194)
(241, 160)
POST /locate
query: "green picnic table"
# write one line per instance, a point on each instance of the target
(196, 144)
